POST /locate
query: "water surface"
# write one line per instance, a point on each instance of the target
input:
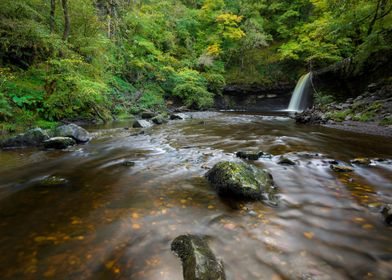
(117, 222)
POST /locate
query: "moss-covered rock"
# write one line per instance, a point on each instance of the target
(31, 138)
(198, 261)
(241, 180)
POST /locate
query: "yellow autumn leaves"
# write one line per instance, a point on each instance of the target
(228, 29)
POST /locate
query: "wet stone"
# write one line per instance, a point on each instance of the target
(148, 115)
(31, 138)
(59, 143)
(160, 119)
(198, 261)
(361, 161)
(243, 181)
(285, 161)
(387, 213)
(249, 155)
(128, 163)
(179, 116)
(341, 168)
(79, 134)
(142, 124)
(53, 181)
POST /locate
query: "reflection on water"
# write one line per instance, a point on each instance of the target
(117, 222)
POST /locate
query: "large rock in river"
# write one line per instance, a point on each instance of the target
(142, 124)
(179, 116)
(198, 261)
(241, 180)
(74, 131)
(59, 143)
(31, 138)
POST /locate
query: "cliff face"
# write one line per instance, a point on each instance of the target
(255, 98)
(349, 78)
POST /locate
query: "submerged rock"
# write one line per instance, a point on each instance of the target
(73, 131)
(53, 181)
(142, 124)
(341, 168)
(198, 261)
(249, 155)
(160, 119)
(31, 138)
(241, 180)
(361, 161)
(128, 163)
(285, 161)
(179, 116)
(59, 143)
(387, 213)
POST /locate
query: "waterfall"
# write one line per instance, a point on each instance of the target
(302, 94)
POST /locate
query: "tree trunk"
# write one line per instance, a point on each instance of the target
(373, 21)
(52, 15)
(67, 24)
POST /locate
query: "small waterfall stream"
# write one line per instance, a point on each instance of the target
(301, 97)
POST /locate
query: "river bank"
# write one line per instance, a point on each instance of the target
(368, 113)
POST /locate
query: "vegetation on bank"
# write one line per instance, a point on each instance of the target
(104, 59)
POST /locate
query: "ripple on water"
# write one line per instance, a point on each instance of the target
(116, 222)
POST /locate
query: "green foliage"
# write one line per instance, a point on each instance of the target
(125, 56)
(339, 116)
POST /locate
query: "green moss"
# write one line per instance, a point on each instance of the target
(386, 121)
(339, 116)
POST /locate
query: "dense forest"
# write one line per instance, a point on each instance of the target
(108, 59)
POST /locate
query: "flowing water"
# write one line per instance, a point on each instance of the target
(300, 99)
(117, 222)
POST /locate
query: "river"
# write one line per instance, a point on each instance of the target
(117, 222)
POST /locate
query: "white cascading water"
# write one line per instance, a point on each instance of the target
(301, 95)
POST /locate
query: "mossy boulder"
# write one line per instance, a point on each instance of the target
(79, 134)
(198, 261)
(59, 143)
(31, 138)
(240, 180)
